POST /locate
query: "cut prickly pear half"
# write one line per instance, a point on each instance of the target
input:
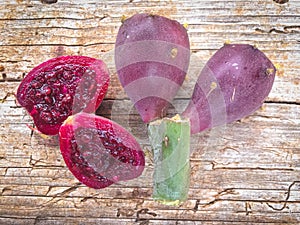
(152, 57)
(233, 84)
(98, 151)
(61, 87)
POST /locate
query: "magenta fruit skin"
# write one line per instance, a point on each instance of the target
(98, 151)
(156, 47)
(60, 87)
(243, 77)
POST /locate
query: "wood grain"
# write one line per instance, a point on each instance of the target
(247, 172)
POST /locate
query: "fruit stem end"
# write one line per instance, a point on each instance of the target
(170, 141)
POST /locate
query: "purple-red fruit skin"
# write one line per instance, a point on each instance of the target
(98, 151)
(149, 47)
(60, 87)
(233, 84)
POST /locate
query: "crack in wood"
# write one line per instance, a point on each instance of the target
(37, 219)
(62, 194)
(223, 166)
(248, 208)
(217, 196)
(33, 162)
(281, 1)
(89, 198)
(68, 190)
(56, 18)
(8, 94)
(5, 172)
(14, 61)
(196, 207)
(144, 211)
(10, 79)
(49, 1)
(125, 212)
(4, 190)
(67, 28)
(15, 107)
(4, 77)
(146, 222)
(282, 102)
(85, 199)
(59, 44)
(284, 30)
(139, 203)
(32, 133)
(49, 189)
(286, 199)
(230, 148)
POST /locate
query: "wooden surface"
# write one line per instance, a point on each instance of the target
(245, 173)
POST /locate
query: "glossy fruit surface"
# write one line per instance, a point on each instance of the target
(233, 84)
(61, 87)
(98, 151)
(152, 56)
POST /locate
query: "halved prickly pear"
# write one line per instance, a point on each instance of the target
(152, 57)
(233, 84)
(61, 87)
(98, 151)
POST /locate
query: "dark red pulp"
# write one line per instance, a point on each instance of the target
(99, 152)
(61, 87)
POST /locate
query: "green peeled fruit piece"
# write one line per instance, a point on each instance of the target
(170, 141)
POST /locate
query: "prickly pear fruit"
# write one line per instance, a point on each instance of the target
(152, 56)
(60, 87)
(98, 151)
(233, 84)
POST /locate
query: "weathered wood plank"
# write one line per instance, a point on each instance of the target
(225, 211)
(243, 173)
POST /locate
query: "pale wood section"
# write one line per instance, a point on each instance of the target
(247, 172)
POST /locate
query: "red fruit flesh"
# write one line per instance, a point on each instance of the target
(98, 151)
(152, 57)
(233, 84)
(61, 87)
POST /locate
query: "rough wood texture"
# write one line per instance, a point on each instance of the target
(245, 173)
